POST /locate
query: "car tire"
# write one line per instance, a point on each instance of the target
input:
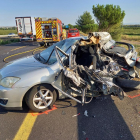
(41, 43)
(126, 83)
(41, 98)
(137, 68)
(34, 38)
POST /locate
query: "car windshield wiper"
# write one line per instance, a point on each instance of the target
(49, 56)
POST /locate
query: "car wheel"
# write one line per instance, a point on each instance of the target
(137, 68)
(41, 97)
(41, 43)
(126, 83)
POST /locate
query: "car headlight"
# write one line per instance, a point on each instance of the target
(9, 81)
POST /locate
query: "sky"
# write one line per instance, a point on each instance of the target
(66, 10)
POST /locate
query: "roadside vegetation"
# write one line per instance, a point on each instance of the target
(137, 49)
(84, 34)
(4, 41)
(108, 18)
(7, 31)
(131, 38)
(131, 32)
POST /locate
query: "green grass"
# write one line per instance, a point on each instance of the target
(132, 31)
(6, 32)
(137, 46)
(132, 34)
(131, 38)
(83, 33)
(137, 49)
(3, 42)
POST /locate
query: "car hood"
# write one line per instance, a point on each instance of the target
(20, 66)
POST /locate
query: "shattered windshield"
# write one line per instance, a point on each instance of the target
(49, 54)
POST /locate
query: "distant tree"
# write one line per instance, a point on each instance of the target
(85, 19)
(89, 28)
(109, 18)
(86, 23)
(116, 31)
(76, 26)
(70, 26)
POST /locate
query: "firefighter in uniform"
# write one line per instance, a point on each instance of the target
(64, 34)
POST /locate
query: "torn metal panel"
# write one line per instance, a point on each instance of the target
(104, 37)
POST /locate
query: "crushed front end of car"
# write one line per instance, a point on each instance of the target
(79, 75)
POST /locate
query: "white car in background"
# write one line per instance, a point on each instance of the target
(11, 35)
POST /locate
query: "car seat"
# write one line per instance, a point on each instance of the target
(85, 56)
(117, 49)
(129, 55)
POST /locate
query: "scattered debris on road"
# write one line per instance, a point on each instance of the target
(63, 112)
(76, 115)
(84, 133)
(86, 113)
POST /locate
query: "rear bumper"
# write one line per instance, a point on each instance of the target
(73, 36)
(26, 37)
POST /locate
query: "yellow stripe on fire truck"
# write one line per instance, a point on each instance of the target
(38, 30)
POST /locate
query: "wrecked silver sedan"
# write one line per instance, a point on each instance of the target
(97, 65)
(70, 68)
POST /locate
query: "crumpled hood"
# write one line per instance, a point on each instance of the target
(20, 66)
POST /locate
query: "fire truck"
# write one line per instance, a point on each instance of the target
(48, 30)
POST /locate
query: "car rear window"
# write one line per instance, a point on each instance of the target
(73, 31)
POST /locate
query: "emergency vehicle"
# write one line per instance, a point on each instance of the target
(48, 30)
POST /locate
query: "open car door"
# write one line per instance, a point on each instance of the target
(67, 70)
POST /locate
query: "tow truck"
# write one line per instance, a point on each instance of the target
(48, 30)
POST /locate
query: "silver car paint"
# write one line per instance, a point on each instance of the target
(31, 73)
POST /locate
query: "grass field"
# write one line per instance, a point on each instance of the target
(6, 32)
(131, 31)
(132, 37)
(131, 34)
(137, 49)
(8, 41)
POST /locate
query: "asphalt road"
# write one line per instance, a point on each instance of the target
(108, 117)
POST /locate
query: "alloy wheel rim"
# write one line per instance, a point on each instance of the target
(42, 99)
